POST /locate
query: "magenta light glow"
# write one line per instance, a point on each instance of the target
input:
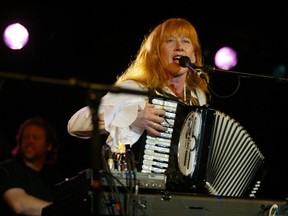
(226, 58)
(15, 36)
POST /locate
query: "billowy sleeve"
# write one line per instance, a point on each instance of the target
(80, 124)
(116, 113)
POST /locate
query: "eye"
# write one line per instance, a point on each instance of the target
(170, 40)
(187, 41)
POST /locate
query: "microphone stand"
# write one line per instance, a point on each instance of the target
(185, 61)
(211, 69)
(95, 93)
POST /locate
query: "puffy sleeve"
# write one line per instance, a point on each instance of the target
(116, 113)
(80, 124)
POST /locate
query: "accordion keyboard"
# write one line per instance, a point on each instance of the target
(157, 149)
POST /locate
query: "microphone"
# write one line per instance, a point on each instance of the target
(185, 61)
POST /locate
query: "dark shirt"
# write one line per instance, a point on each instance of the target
(15, 174)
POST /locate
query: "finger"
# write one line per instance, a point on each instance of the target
(159, 127)
(153, 132)
(159, 112)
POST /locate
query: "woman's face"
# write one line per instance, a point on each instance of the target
(170, 52)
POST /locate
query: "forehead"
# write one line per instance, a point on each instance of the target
(34, 129)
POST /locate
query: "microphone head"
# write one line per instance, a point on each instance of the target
(184, 61)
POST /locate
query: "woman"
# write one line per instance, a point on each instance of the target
(156, 67)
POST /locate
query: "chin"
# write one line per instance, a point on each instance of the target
(29, 157)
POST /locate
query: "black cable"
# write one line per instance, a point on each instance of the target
(135, 198)
(110, 181)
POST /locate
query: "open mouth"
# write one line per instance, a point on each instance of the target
(176, 58)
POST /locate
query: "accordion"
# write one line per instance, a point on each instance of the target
(205, 147)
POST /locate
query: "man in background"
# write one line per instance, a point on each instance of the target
(30, 175)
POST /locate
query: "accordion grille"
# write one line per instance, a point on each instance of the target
(234, 158)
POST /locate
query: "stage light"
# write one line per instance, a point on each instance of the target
(15, 36)
(226, 58)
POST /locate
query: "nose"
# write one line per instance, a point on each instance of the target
(178, 47)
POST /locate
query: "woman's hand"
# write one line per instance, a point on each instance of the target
(150, 119)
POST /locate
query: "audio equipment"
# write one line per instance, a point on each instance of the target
(143, 180)
(192, 204)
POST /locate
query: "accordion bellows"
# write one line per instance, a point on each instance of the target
(204, 145)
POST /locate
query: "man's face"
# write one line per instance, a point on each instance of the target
(34, 145)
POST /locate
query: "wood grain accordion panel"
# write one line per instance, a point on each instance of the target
(204, 145)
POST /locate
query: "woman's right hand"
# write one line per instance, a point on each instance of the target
(150, 119)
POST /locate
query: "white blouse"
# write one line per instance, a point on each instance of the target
(117, 111)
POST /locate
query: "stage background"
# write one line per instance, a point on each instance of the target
(94, 43)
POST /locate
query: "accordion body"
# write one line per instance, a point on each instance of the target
(205, 147)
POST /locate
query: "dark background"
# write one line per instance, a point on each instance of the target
(94, 42)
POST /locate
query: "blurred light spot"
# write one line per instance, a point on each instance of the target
(226, 58)
(280, 71)
(15, 36)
